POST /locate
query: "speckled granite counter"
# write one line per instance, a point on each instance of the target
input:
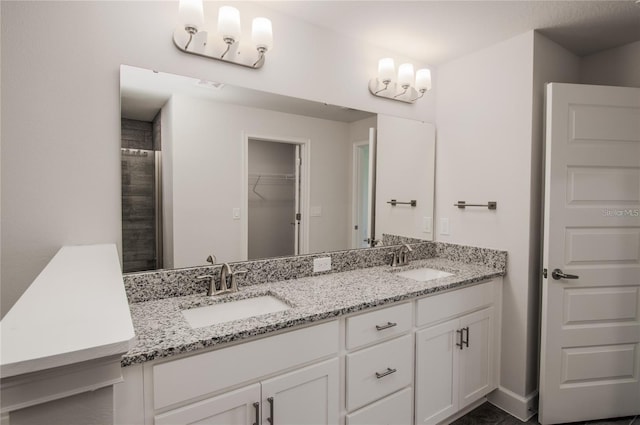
(162, 331)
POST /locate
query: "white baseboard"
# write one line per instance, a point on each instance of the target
(522, 408)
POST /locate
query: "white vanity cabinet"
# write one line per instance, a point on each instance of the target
(415, 362)
(456, 350)
(379, 374)
(292, 377)
(305, 396)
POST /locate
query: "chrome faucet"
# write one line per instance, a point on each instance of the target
(225, 272)
(228, 280)
(403, 254)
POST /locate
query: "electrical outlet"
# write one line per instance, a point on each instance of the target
(321, 264)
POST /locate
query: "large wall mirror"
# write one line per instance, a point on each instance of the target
(209, 169)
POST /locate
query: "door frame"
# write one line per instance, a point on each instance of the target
(305, 156)
(355, 192)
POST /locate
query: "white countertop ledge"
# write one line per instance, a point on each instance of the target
(76, 310)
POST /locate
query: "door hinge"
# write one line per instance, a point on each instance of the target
(544, 273)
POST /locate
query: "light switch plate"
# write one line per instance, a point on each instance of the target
(426, 224)
(236, 213)
(321, 264)
(444, 226)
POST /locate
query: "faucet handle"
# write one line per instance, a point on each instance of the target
(394, 259)
(234, 279)
(211, 290)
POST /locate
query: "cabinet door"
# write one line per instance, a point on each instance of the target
(436, 372)
(232, 408)
(476, 365)
(308, 396)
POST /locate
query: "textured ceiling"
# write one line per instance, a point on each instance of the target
(435, 32)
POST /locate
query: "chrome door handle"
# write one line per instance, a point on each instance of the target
(557, 275)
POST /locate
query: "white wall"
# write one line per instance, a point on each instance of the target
(60, 108)
(484, 143)
(404, 172)
(208, 165)
(614, 67)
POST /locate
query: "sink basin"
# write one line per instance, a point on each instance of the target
(423, 274)
(233, 310)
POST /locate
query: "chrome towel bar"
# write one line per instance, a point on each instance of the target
(393, 203)
(492, 205)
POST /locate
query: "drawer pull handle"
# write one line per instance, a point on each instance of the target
(387, 326)
(461, 343)
(389, 371)
(270, 418)
(256, 406)
(465, 340)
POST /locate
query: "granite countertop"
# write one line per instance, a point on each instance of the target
(162, 331)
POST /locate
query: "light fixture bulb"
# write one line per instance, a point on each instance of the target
(405, 75)
(423, 80)
(229, 23)
(191, 14)
(386, 70)
(262, 34)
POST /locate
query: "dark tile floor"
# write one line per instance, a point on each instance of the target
(488, 414)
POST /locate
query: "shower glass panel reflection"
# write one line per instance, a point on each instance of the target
(141, 197)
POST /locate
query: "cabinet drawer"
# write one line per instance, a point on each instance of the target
(374, 372)
(395, 409)
(451, 304)
(378, 325)
(183, 379)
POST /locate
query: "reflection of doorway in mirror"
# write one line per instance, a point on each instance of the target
(273, 198)
(361, 194)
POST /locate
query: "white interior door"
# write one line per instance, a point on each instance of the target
(297, 214)
(371, 197)
(590, 341)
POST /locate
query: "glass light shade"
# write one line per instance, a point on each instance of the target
(405, 74)
(386, 69)
(190, 13)
(262, 33)
(229, 22)
(423, 79)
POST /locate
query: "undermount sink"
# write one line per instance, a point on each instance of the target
(233, 310)
(423, 274)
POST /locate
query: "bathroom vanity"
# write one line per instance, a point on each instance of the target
(362, 346)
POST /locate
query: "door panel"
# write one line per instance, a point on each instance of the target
(308, 396)
(436, 372)
(476, 365)
(590, 326)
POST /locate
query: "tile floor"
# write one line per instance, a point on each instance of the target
(488, 414)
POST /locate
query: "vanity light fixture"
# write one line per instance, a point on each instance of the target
(226, 45)
(405, 86)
